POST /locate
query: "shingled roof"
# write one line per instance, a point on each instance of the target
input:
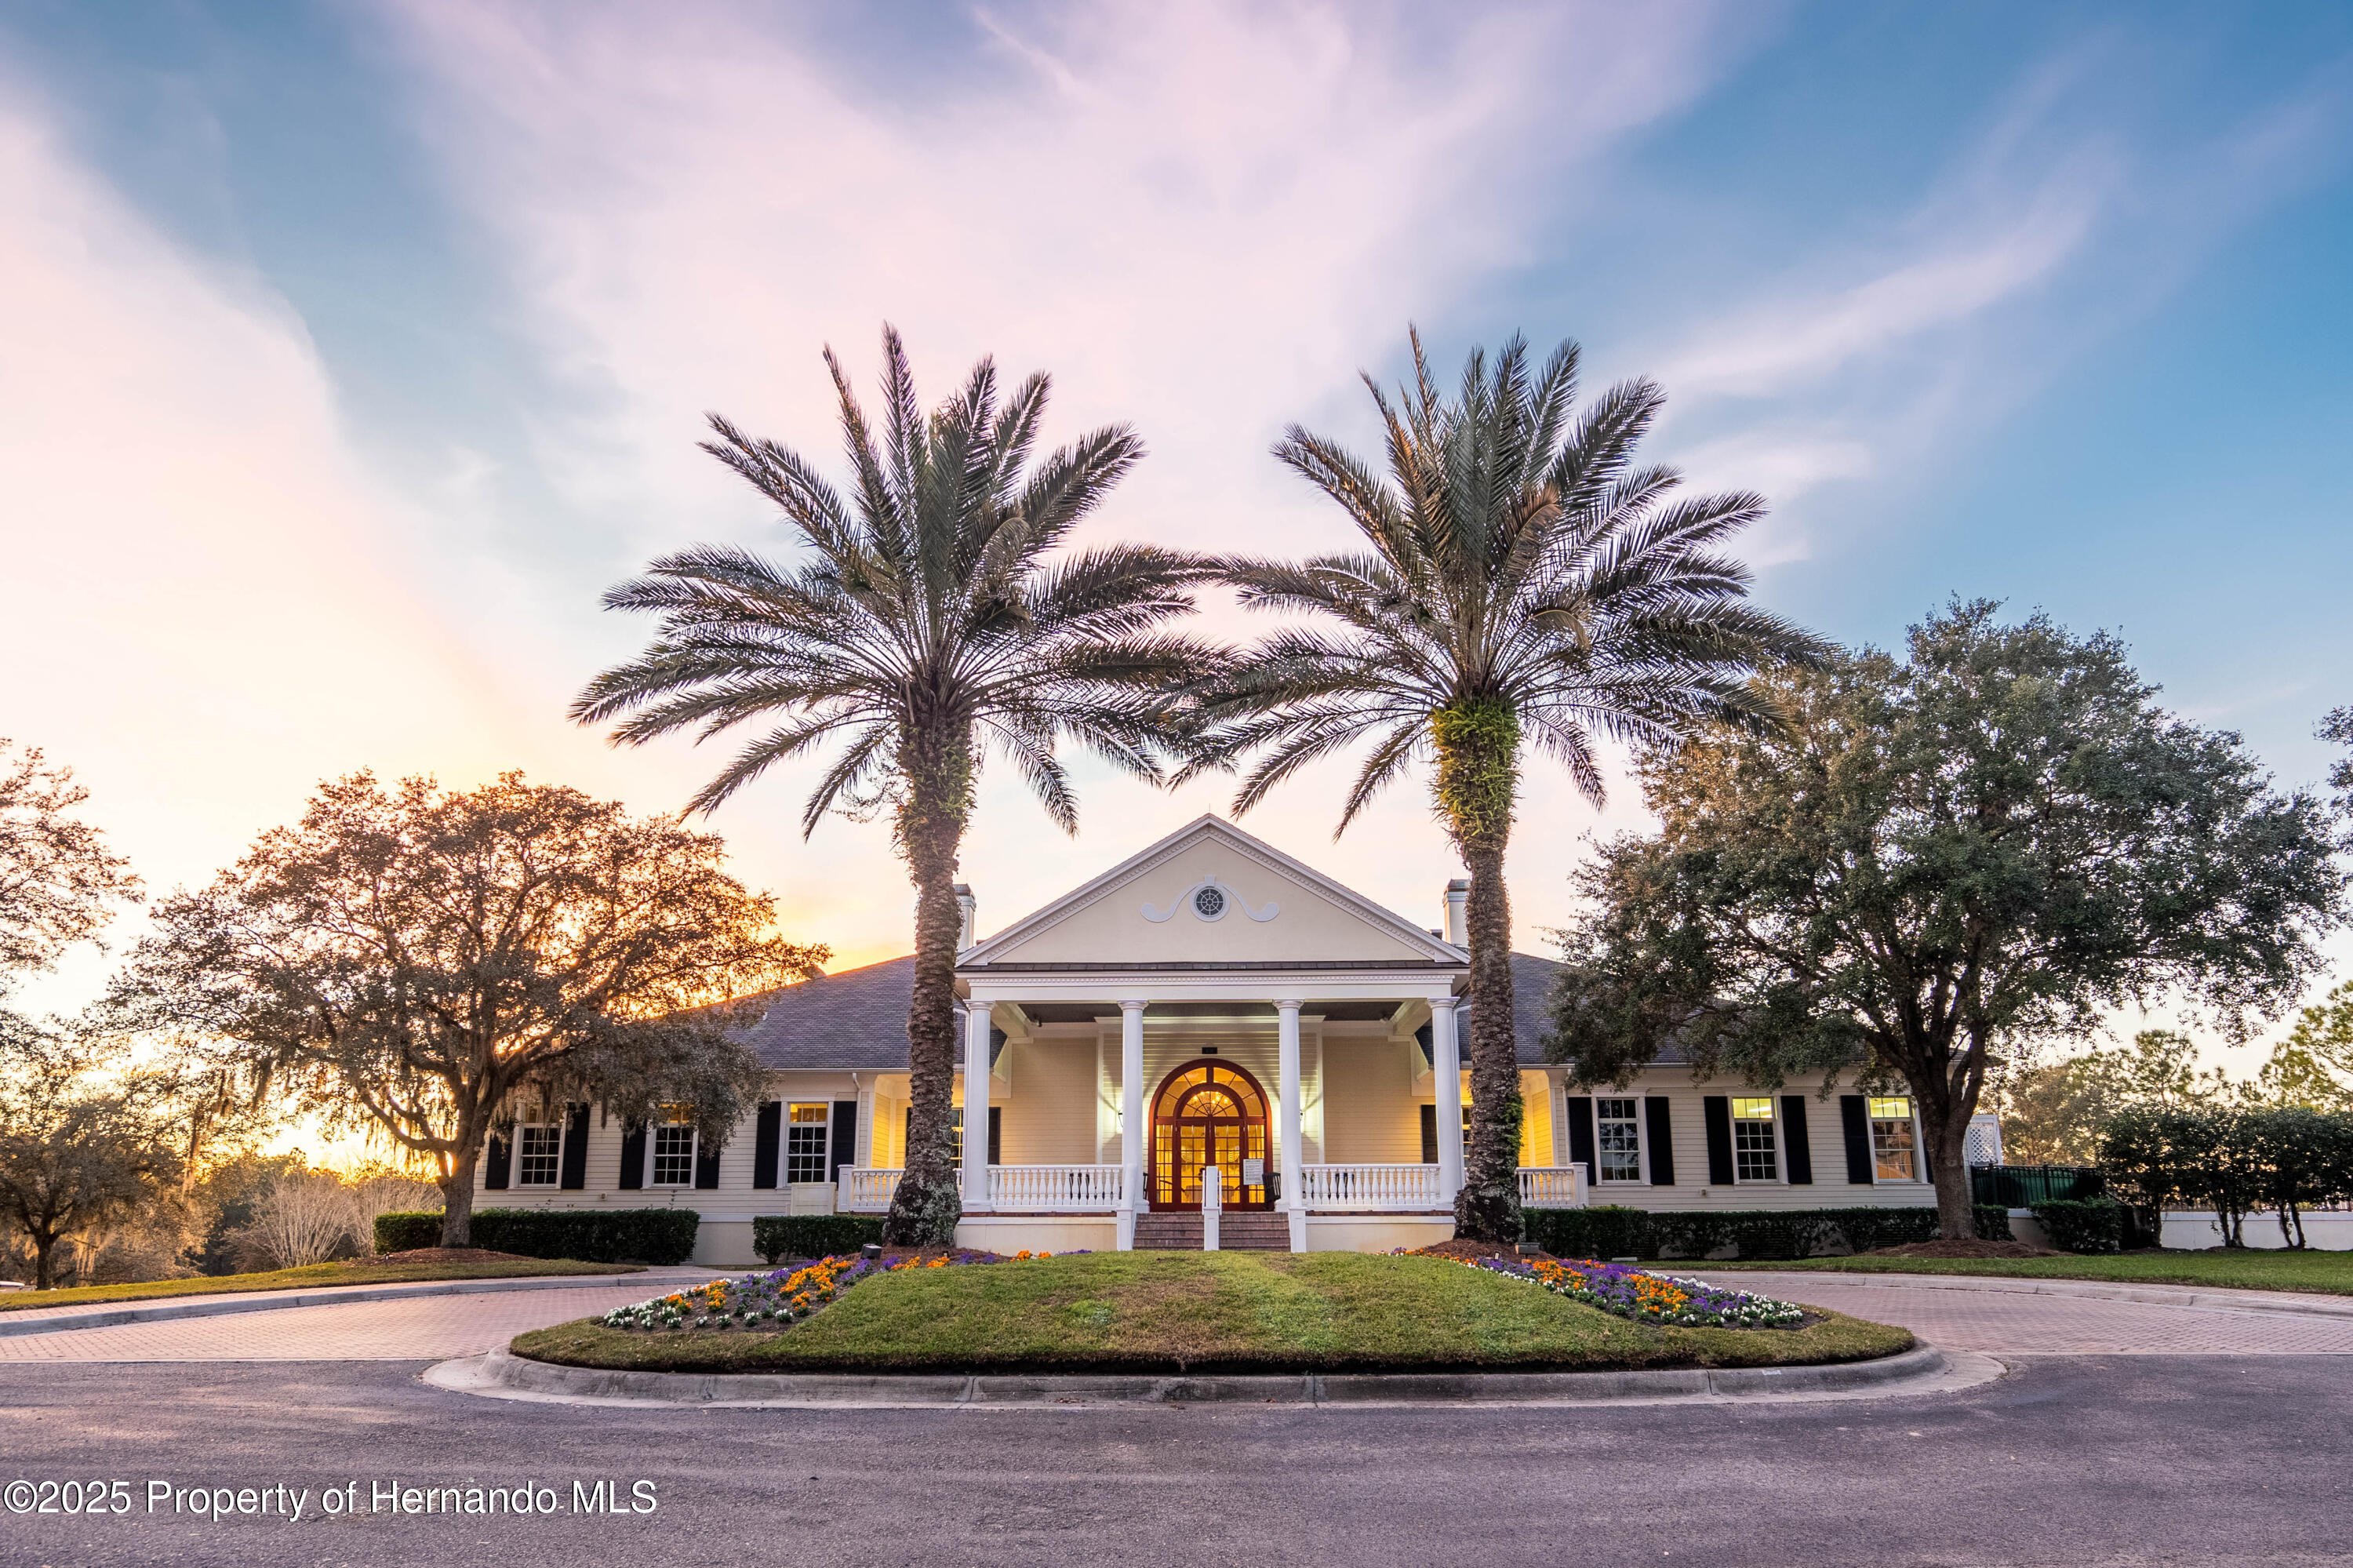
(857, 1020)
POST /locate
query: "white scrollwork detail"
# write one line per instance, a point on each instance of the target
(1210, 899)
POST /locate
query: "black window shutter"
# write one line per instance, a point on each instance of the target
(1661, 1140)
(907, 1139)
(1429, 1135)
(767, 1143)
(1716, 1111)
(1796, 1148)
(575, 1150)
(633, 1154)
(1854, 1114)
(497, 1164)
(844, 1148)
(706, 1166)
(1580, 1135)
(997, 1135)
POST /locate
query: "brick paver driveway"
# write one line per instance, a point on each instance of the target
(428, 1327)
(2024, 1317)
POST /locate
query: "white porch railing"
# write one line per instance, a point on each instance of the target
(1054, 1189)
(866, 1190)
(1553, 1186)
(1328, 1189)
(1369, 1188)
(1012, 1189)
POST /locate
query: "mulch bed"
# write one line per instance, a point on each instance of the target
(1470, 1251)
(1974, 1247)
(438, 1254)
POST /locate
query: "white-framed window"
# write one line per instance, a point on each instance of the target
(805, 1129)
(1617, 1141)
(1756, 1157)
(538, 1151)
(673, 1155)
(1894, 1146)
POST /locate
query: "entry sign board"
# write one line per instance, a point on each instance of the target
(1253, 1172)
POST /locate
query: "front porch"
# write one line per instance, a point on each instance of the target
(1359, 1083)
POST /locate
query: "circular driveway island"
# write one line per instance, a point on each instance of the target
(2126, 1431)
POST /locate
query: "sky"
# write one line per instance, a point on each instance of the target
(349, 351)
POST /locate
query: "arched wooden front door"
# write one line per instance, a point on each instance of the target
(1211, 1113)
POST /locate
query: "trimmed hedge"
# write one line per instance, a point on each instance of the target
(1606, 1231)
(1609, 1231)
(407, 1231)
(775, 1236)
(2085, 1226)
(590, 1236)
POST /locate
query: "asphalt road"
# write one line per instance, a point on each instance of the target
(2074, 1460)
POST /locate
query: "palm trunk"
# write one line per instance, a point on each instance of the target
(1478, 764)
(926, 1206)
(1488, 1208)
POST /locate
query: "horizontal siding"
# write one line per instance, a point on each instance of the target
(1693, 1190)
(1049, 1120)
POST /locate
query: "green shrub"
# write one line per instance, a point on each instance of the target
(775, 1236)
(1868, 1229)
(1690, 1233)
(2095, 1226)
(407, 1232)
(1993, 1222)
(1610, 1231)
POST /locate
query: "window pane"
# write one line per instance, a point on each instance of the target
(804, 1142)
(1891, 1152)
(1891, 1109)
(1620, 1143)
(539, 1149)
(673, 1155)
(1754, 1156)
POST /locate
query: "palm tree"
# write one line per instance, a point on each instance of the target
(1526, 585)
(924, 630)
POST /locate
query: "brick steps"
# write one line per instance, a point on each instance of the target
(1246, 1232)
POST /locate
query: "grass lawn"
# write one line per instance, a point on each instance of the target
(1138, 1311)
(306, 1278)
(2328, 1273)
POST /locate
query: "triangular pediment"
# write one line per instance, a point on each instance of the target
(1210, 893)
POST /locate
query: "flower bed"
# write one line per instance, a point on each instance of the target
(1646, 1298)
(771, 1302)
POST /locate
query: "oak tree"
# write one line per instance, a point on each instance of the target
(1994, 840)
(426, 963)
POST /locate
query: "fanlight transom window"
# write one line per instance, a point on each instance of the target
(1210, 1115)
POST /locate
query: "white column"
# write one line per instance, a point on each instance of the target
(1287, 1132)
(976, 1107)
(1446, 1069)
(1134, 1132)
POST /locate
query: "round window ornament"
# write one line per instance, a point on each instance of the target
(1210, 900)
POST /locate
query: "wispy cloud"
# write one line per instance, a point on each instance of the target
(1202, 218)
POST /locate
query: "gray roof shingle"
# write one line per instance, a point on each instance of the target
(857, 1020)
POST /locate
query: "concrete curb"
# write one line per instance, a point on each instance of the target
(502, 1375)
(14, 1324)
(2199, 1297)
